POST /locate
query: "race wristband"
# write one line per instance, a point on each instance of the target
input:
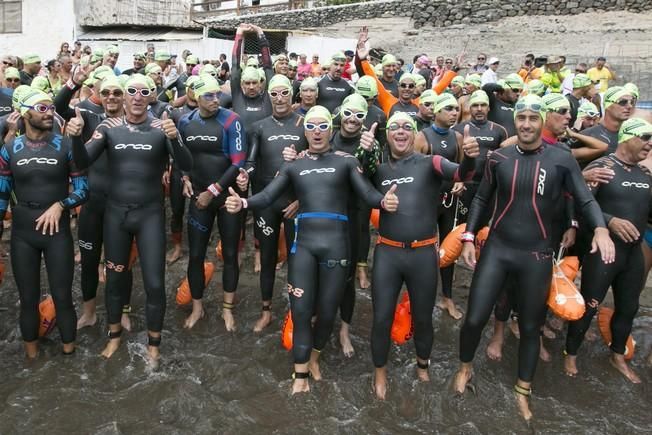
(214, 189)
(574, 224)
(468, 237)
(71, 85)
(245, 204)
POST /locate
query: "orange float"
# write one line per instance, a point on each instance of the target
(374, 218)
(286, 331)
(570, 266)
(604, 324)
(564, 300)
(480, 240)
(47, 316)
(451, 247)
(402, 329)
(184, 296)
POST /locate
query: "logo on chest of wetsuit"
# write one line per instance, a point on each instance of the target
(283, 136)
(206, 138)
(135, 146)
(403, 180)
(38, 160)
(317, 171)
(6, 109)
(541, 184)
(635, 184)
(487, 138)
(336, 89)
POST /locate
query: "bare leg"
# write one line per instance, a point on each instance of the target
(462, 377)
(313, 365)
(257, 263)
(265, 317)
(570, 365)
(422, 370)
(363, 276)
(495, 346)
(345, 340)
(543, 352)
(618, 361)
(31, 349)
(68, 348)
(380, 382)
(153, 352)
(513, 326)
(174, 254)
(300, 385)
(522, 392)
(227, 311)
(448, 305)
(88, 317)
(196, 315)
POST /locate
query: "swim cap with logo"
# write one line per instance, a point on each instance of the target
(205, 84)
(614, 94)
(279, 80)
(162, 55)
(554, 102)
(153, 68)
(17, 96)
(112, 49)
(458, 81)
(631, 87)
(308, 83)
(318, 112)
(111, 82)
(122, 78)
(30, 99)
(12, 73)
(192, 60)
(479, 97)
(445, 100)
(354, 102)
(41, 83)
(367, 87)
(532, 103)
(98, 55)
(137, 79)
(588, 109)
(475, 80)
(252, 61)
(419, 80)
(581, 80)
(514, 82)
(634, 127)
(406, 76)
(536, 87)
(208, 69)
(389, 59)
(191, 81)
(31, 58)
(401, 116)
(250, 74)
(428, 96)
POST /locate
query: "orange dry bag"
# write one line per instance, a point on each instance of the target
(286, 331)
(451, 247)
(402, 326)
(47, 316)
(604, 323)
(183, 292)
(570, 266)
(564, 300)
(374, 218)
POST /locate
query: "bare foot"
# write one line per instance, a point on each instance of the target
(229, 320)
(300, 386)
(549, 333)
(31, 349)
(513, 326)
(68, 348)
(153, 357)
(570, 365)
(462, 378)
(257, 264)
(448, 305)
(86, 320)
(422, 374)
(111, 347)
(363, 277)
(174, 254)
(380, 383)
(345, 340)
(523, 406)
(543, 352)
(313, 366)
(556, 323)
(264, 321)
(193, 318)
(125, 321)
(495, 347)
(618, 361)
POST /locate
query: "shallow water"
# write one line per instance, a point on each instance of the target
(211, 381)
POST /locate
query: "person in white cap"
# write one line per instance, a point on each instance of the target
(490, 76)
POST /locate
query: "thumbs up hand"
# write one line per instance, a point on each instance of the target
(368, 138)
(233, 202)
(390, 200)
(168, 127)
(242, 181)
(470, 145)
(75, 125)
(289, 153)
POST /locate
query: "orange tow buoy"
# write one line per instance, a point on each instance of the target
(286, 331)
(604, 323)
(564, 299)
(374, 218)
(47, 316)
(402, 329)
(451, 247)
(570, 266)
(480, 240)
(184, 296)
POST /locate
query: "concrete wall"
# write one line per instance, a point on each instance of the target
(44, 29)
(133, 12)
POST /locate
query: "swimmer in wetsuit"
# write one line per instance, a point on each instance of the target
(333, 89)
(502, 97)
(406, 248)
(626, 203)
(318, 265)
(138, 148)
(527, 180)
(37, 168)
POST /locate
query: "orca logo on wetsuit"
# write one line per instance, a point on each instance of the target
(336, 89)
(488, 138)
(136, 146)
(403, 180)
(509, 109)
(634, 184)
(206, 138)
(6, 109)
(254, 109)
(39, 160)
(283, 136)
(542, 180)
(317, 171)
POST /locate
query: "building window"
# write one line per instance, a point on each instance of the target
(11, 16)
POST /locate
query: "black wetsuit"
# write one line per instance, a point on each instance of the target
(6, 106)
(391, 87)
(333, 92)
(528, 186)
(408, 108)
(419, 179)
(443, 142)
(87, 104)
(267, 139)
(376, 114)
(421, 123)
(137, 156)
(218, 147)
(157, 108)
(626, 196)
(600, 132)
(500, 112)
(57, 126)
(574, 106)
(318, 263)
(39, 174)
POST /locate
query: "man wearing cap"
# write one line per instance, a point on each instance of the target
(13, 125)
(367, 87)
(111, 55)
(519, 246)
(180, 82)
(588, 115)
(11, 82)
(162, 58)
(303, 68)
(308, 91)
(502, 97)
(618, 107)
(135, 204)
(425, 114)
(457, 86)
(93, 102)
(139, 64)
(601, 75)
(323, 181)
(625, 204)
(11, 78)
(553, 77)
(31, 68)
(388, 79)
(490, 76)
(292, 71)
(37, 170)
(472, 83)
(333, 89)
(582, 89)
(315, 67)
(268, 139)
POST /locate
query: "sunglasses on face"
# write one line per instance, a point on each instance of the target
(42, 108)
(144, 92)
(332, 263)
(407, 85)
(7, 63)
(394, 126)
(111, 92)
(449, 62)
(562, 111)
(625, 102)
(283, 93)
(579, 71)
(349, 114)
(522, 106)
(210, 97)
(324, 126)
(481, 58)
(645, 137)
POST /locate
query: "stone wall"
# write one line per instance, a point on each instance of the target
(438, 13)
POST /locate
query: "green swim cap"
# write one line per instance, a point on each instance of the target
(192, 60)
(293, 64)
(445, 100)
(33, 97)
(419, 80)
(309, 83)
(530, 102)
(355, 102)
(122, 78)
(138, 79)
(536, 87)
(554, 102)
(153, 68)
(279, 80)
(206, 84)
(100, 73)
(614, 94)
(401, 116)
(208, 69)
(31, 58)
(250, 74)
(479, 97)
(367, 87)
(581, 80)
(388, 59)
(252, 61)
(261, 75)
(112, 49)
(41, 83)
(162, 55)
(588, 109)
(378, 70)
(111, 82)
(318, 112)
(514, 82)
(17, 96)
(458, 81)
(98, 55)
(12, 73)
(633, 127)
(428, 96)
(407, 76)
(501, 83)
(191, 81)
(474, 80)
(631, 87)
